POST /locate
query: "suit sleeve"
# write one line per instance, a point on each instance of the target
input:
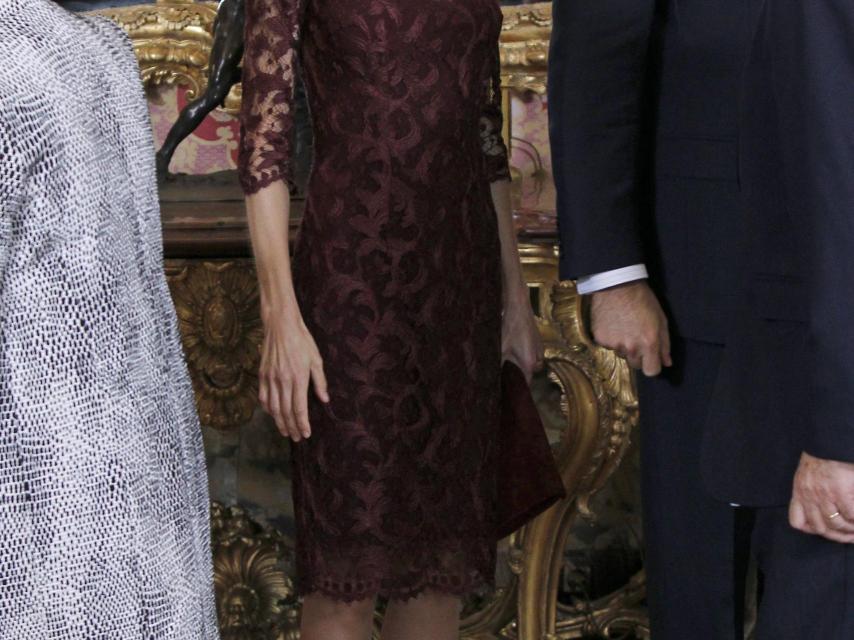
(827, 28)
(598, 112)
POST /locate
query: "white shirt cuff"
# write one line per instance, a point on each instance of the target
(607, 279)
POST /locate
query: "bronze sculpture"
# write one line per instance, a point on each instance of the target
(224, 72)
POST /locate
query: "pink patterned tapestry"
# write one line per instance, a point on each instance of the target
(212, 148)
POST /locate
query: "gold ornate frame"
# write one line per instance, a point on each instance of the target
(172, 40)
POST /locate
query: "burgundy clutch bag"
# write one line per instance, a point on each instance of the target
(528, 479)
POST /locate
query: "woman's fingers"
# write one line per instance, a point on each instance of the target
(264, 392)
(529, 361)
(300, 406)
(274, 408)
(318, 377)
(286, 385)
(290, 362)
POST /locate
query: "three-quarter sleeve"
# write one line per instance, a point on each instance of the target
(492, 125)
(267, 113)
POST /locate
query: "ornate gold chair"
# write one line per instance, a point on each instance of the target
(213, 283)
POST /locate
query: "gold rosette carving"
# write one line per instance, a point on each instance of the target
(252, 568)
(219, 317)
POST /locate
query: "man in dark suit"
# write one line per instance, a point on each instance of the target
(644, 103)
(757, 288)
(785, 406)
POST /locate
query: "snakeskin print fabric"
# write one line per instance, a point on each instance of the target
(397, 270)
(103, 493)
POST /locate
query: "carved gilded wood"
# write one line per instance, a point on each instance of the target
(219, 317)
(252, 578)
(173, 43)
(217, 304)
(525, 46)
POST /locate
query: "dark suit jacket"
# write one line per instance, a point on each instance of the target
(768, 273)
(789, 367)
(643, 97)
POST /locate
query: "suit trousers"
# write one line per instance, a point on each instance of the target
(698, 548)
(808, 582)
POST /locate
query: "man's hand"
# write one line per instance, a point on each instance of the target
(629, 320)
(823, 499)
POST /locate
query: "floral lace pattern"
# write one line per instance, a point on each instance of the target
(397, 270)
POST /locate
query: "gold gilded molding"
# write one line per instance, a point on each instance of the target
(255, 594)
(524, 46)
(219, 317)
(599, 403)
(615, 616)
(172, 41)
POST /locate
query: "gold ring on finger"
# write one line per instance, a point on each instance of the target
(833, 516)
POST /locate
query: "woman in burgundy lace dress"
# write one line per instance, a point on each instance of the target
(383, 354)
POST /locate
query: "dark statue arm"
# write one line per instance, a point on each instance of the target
(226, 55)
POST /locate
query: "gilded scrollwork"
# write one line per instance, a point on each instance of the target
(219, 317)
(252, 578)
(172, 41)
(525, 46)
(599, 404)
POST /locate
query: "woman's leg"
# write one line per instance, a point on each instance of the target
(327, 619)
(430, 616)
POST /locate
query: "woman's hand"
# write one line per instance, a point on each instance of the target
(521, 342)
(290, 363)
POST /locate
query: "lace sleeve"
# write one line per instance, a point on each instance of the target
(492, 124)
(270, 57)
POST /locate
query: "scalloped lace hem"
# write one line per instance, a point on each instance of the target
(367, 589)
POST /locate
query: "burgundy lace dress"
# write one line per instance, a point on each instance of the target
(397, 271)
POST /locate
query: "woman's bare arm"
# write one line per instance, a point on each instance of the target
(521, 340)
(290, 360)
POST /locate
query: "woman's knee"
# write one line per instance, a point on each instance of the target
(355, 613)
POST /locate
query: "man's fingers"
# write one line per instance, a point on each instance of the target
(666, 359)
(838, 536)
(838, 522)
(817, 520)
(651, 361)
(635, 361)
(811, 520)
(797, 515)
(300, 407)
